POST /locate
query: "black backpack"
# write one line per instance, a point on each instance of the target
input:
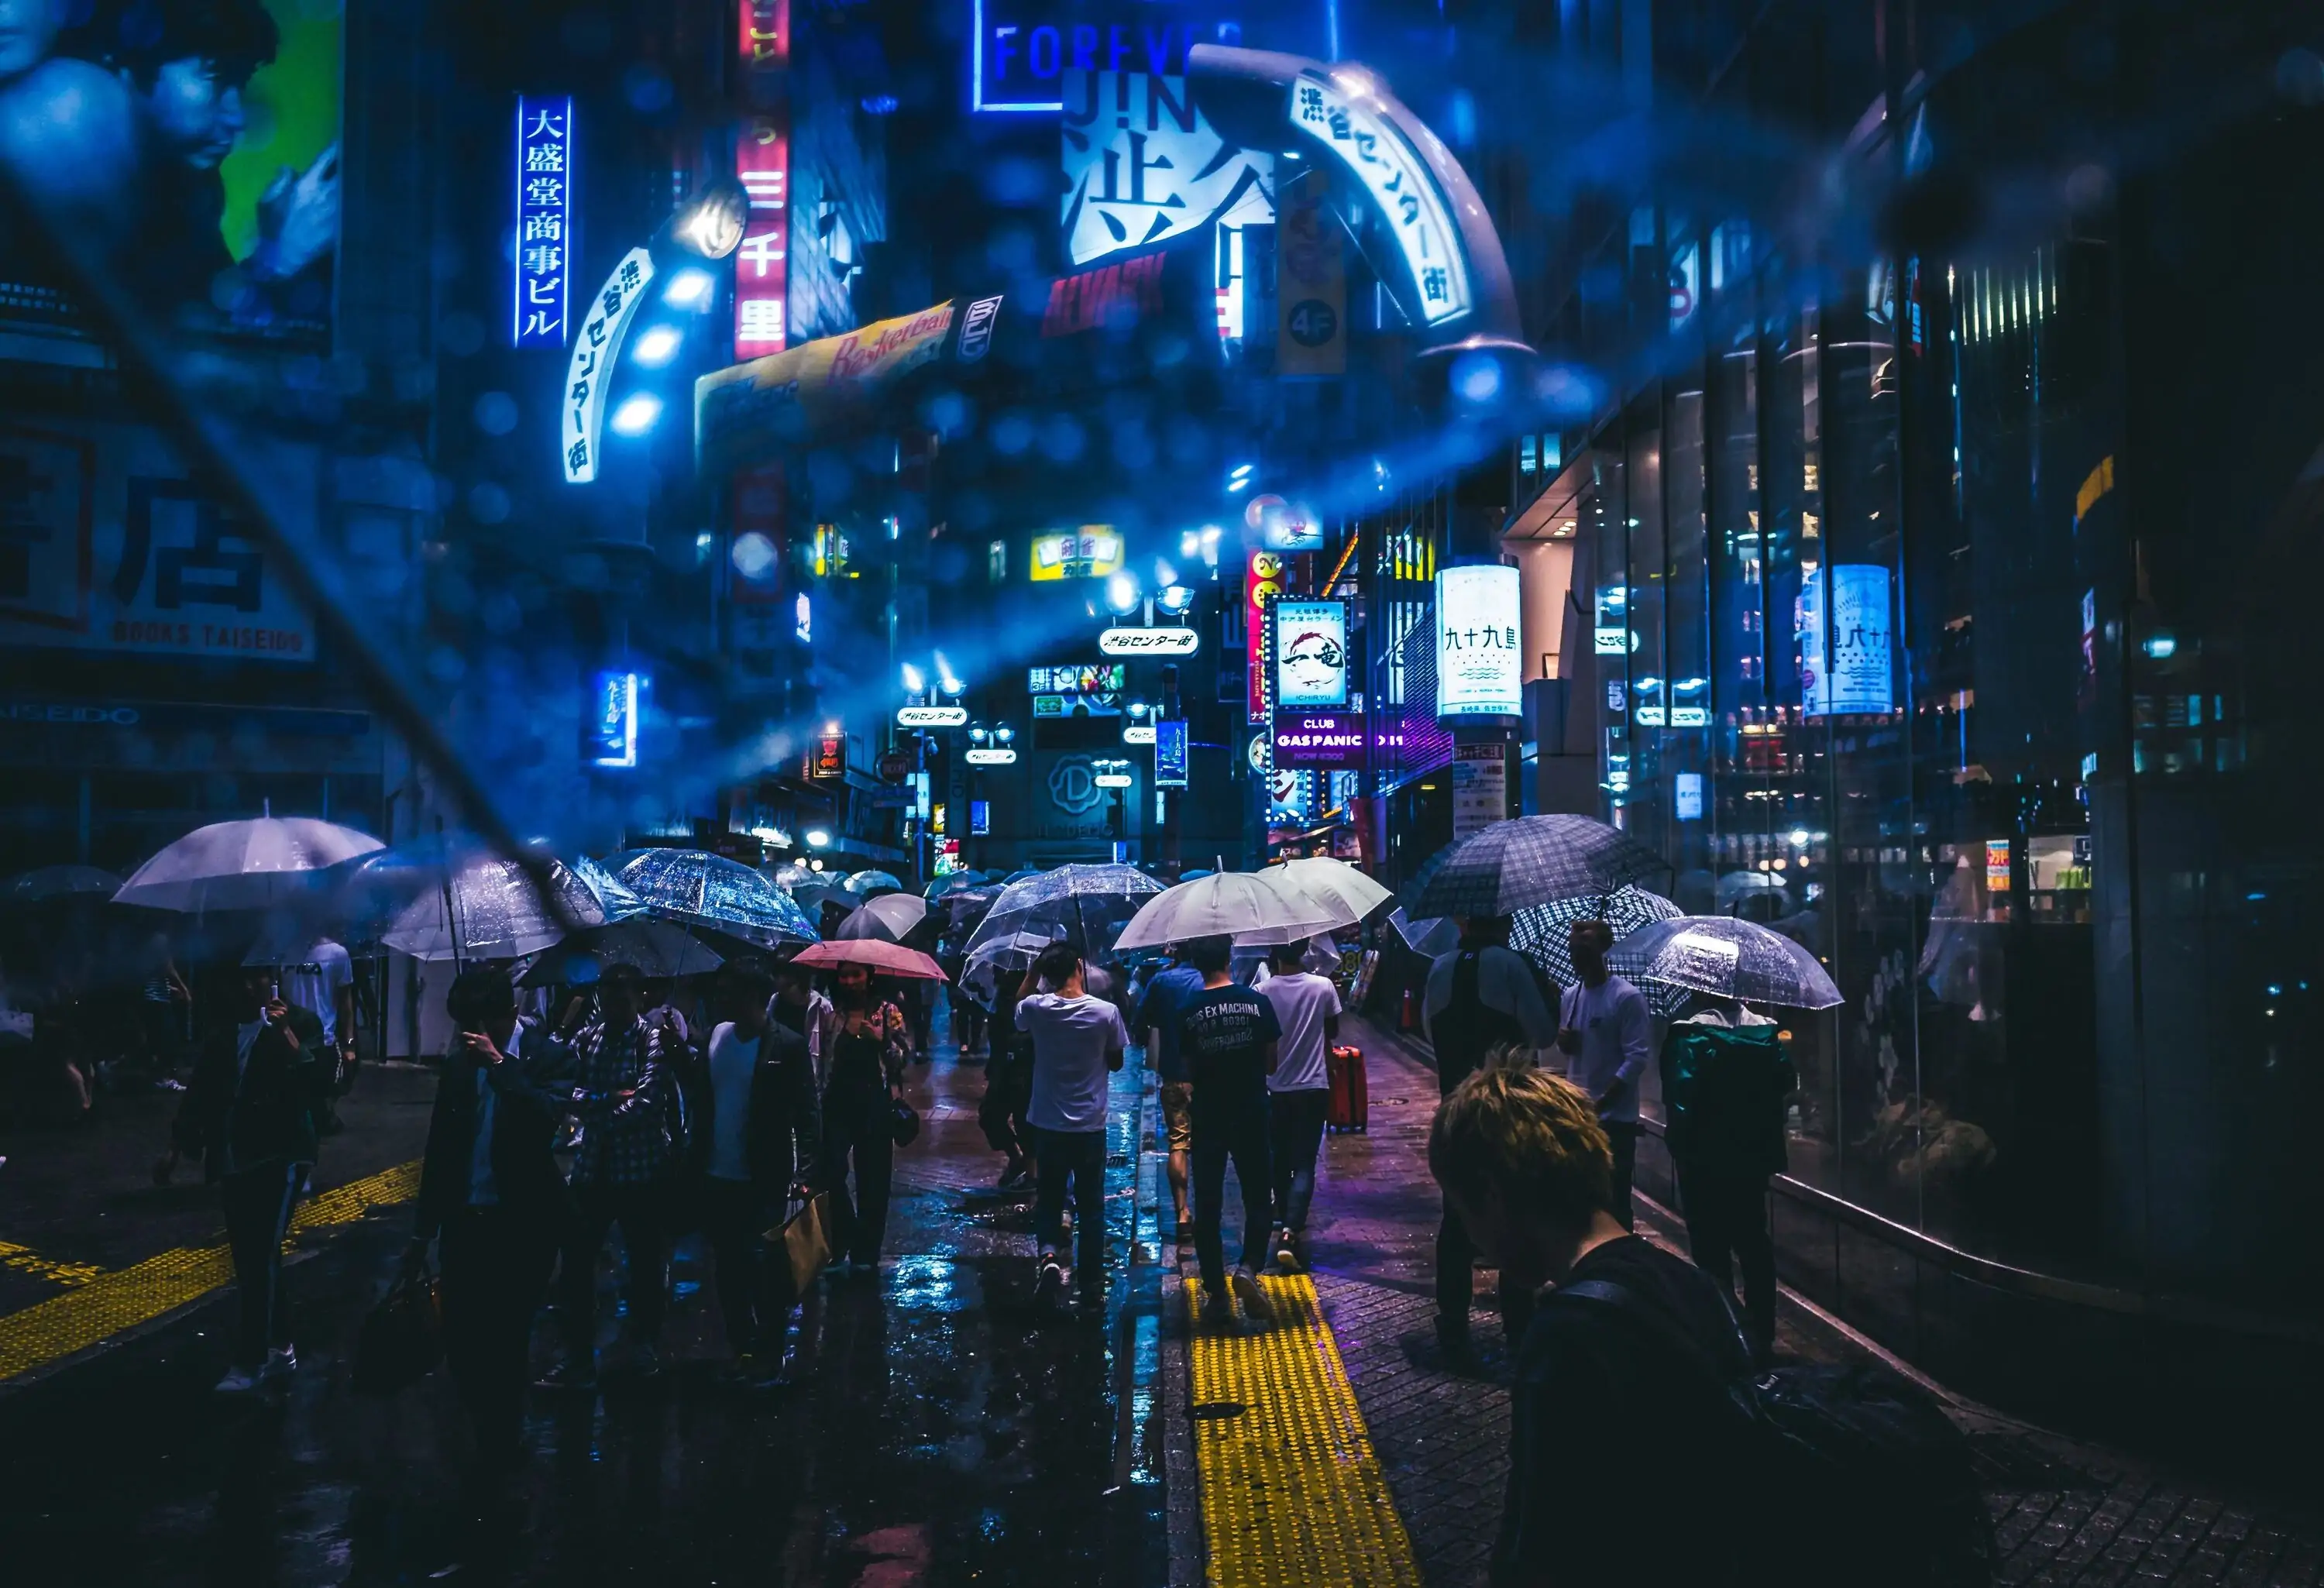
(1852, 1475)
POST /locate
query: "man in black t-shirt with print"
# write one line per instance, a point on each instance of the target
(1227, 1038)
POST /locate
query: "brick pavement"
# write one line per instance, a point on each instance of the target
(2066, 1512)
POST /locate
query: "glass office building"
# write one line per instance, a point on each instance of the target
(1949, 607)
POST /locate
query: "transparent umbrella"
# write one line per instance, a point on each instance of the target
(696, 888)
(488, 908)
(1002, 956)
(658, 948)
(1085, 903)
(864, 881)
(243, 864)
(1526, 860)
(619, 902)
(1433, 938)
(1543, 933)
(1727, 958)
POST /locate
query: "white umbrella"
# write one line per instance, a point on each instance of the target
(891, 916)
(1336, 881)
(249, 864)
(1227, 904)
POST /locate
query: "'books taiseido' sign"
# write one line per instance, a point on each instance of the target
(1319, 740)
(1150, 641)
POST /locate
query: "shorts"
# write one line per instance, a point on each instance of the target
(1179, 1114)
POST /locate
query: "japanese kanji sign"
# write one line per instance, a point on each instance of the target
(762, 163)
(1480, 643)
(1142, 165)
(544, 222)
(764, 43)
(1352, 129)
(105, 545)
(590, 371)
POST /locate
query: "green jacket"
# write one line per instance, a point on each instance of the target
(1724, 1090)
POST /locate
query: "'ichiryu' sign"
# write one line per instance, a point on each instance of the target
(931, 717)
(993, 758)
(1319, 740)
(1150, 641)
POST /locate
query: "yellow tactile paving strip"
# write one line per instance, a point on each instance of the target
(1293, 1493)
(109, 1303)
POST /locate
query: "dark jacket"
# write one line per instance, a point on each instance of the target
(1724, 1090)
(784, 1106)
(244, 1116)
(1602, 1414)
(524, 1124)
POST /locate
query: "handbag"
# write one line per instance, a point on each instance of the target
(903, 1122)
(402, 1336)
(806, 1240)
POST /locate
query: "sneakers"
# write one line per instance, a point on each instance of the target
(1287, 1246)
(574, 1373)
(1053, 1276)
(1255, 1303)
(237, 1381)
(281, 1363)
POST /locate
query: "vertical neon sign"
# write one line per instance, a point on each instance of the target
(763, 164)
(544, 222)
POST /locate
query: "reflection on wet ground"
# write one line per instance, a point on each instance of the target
(952, 1430)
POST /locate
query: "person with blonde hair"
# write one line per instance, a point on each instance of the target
(1605, 1399)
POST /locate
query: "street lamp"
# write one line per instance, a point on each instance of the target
(1122, 593)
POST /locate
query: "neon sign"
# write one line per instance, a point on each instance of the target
(589, 374)
(1340, 112)
(544, 221)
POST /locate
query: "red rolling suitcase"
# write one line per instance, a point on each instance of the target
(1350, 1105)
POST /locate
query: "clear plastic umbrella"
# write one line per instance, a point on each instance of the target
(864, 881)
(1530, 859)
(889, 917)
(658, 948)
(1433, 937)
(696, 888)
(1087, 904)
(488, 908)
(250, 865)
(614, 896)
(1727, 958)
(1543, 933)
(1009, 956)
(1226, 904)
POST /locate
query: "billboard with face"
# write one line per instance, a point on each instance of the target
(188, 148)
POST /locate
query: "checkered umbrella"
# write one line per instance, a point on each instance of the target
(1543, 933)
(1727, 958)
(1528, 861)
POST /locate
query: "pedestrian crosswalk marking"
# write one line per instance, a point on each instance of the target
(1292, 1490)
(107, 1304)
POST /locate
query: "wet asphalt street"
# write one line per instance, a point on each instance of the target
(952, 1430)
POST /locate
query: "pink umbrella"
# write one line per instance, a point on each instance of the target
(886, 959)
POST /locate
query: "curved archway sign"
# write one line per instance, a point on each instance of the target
(1448, 273)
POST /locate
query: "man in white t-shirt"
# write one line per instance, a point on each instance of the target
(1299, 1093)
(1606, 1033)
(322, 982)
(1077, 1041)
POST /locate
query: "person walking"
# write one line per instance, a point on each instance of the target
(1298, 1093)
(1606, 1033)
(1725, 1079)
(1229, 1034)
(800, 1009)
(622, 1086)
(251, 1112)
(1481, 999)
(1602, 1402)
(1078, 1039)
(757, 1135)
(1009, 1089)
(1157, 1018)
(864, 1072)
(322, 981)
(493, 1202)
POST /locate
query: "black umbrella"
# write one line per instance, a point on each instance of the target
(1530, 859)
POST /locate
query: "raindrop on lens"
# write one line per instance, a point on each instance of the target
(753, 554)
(488, 504)
(494, 413)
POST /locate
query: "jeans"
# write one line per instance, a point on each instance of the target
(643, 1212)
(858, 1126)
(1727, 1213)
(257, 1204)
(1624, 1140)
(1240, 1133)
(753, 1284)
(1456, 1282)
(1294, 1129)
(1008, 1085)
(495, 1270)
(1079, 1154)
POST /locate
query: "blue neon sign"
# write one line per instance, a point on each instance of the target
(1170, 747)
(613, 721)
(1021, 49)
(544, 222)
